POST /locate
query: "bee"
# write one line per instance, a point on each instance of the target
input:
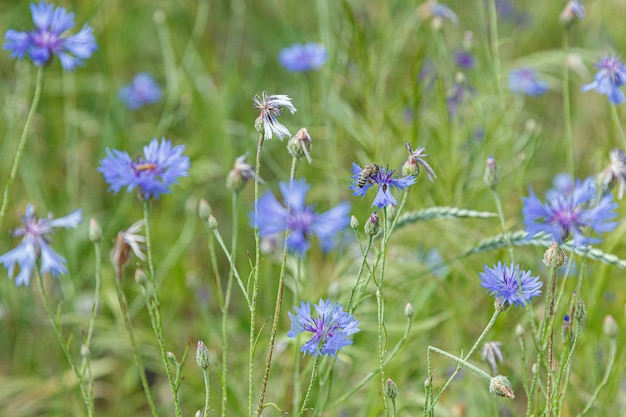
(366, 174)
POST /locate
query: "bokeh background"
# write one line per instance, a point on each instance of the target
(388, 79)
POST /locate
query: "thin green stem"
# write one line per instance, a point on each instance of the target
(618, 124)
(462, 363)
(255, 279)
(297, 354)
(495, 47)
(380, 309)
(605, 378)
(310, 388)
(57, 331)
(505, 229)
(226, 305)
(20, 147)
(360, 274)
(219, 239)
(207, 392)
(154, 309)
(121, 299)
(567, 114)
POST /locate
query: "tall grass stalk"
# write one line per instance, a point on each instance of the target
(567, 113)
(20, 147)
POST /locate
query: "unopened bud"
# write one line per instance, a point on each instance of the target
(372, 225)
(241, 172)
(609, 326)
(501, 304)
(519, 330)
(140, 277)
(354, 222)
(572, 12)
(581, 310)
(204, 209)
(391, 390)
(95, 231)
(84, 350)
(203, 358)
(408, 310)
(212, 222)
(491, 175)
(551, 252)
(300, 145)
(566, 328)
(171, 357)
(500, 386)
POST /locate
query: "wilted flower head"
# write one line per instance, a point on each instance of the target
(331, 330)
(300, 58)
(573, 11)
(35, 246)
(525, 80)
(300, 145)
(50, 38)
(128, 240)
(152, 175)
(615, 174)
(415, 160)
(298, 219)
(141, 91)
(610, 77)
(385, 180)
(270, 107)
(492, 354)
(571, 215)
(510, 284)
(240, 174)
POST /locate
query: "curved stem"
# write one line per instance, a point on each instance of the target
(20, 147)
(308, 391)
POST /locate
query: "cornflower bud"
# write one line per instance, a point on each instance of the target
(551, 252)
(391, 390)
(212, 222)
(609, 326)
(500, 386)
(95, 231)
(408, 310)
(204, 210)
(240, 174)
(491, 175)
(203, 358)
(519, 330)
(354, 222)
(372, 225)
(572, 12)
(300, 145)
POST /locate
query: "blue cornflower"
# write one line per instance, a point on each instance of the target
(152, 174)
(524, 80)
(383, 177)
(510, 284)
(141, 91)
(35, 245)
(298, 219)
(270, 107)
(331, 329)
(464, 60)
(568, 214)
(300, 58)
(50, 38)
(609, 79)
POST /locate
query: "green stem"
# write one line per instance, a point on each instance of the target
(154, 309)
(567, 116)
(505, 229)
(310, 388)
(495, 49)
(133, 346)
(618, 124)
(380, 309)
(360, 274)
(255, 279)
(57, 331)
(605, 378)
(20, 146)
(226, 305)
(219, 239)
(207, 392)
(462, 363)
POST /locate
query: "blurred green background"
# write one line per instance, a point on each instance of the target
(386, 82)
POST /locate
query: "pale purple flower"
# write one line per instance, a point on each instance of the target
(615, 174)
(142, 90)
(510, 284)
(153, 174)
(415, 160)
(573, 10)
(300, 58)
(270, 107)
(35, 246)
(385, 181)
(464, 60)
(492, 354)
(571, 214)
(441, 11)
(331, 330)
(526, 81)
(299, 220)
(610, 77)
(50, 38)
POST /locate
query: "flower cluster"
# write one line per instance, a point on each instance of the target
(301, 58)
(510, 284)
(331, 330)
(609, 79)
(298, 219)
(50, 38)
(142, 90)
(153, 174)
(35, 245)
(383, 177)
(569, 214)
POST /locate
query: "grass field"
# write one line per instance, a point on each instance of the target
(394, 72)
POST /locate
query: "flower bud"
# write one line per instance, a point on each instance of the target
(372, 225)
(500, 386)
(354, 222)
(241, 172)
(609, 326)
(204, 209)
(391, 390)
(566, 328)
(171, 357)
(203, 359)
(551, 252)
(408, 310)
(95, 231)
(84, 350)
(212, 222)
(140, 277)
(572, 12)
(300, 145)
(501, 304)
(519, 330)
(491, 175)
(581, 310)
